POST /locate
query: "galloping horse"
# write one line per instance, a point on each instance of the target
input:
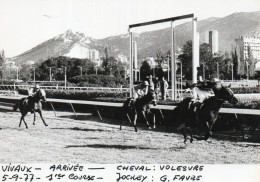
(32, 105)
(140, 108)
(206, 112)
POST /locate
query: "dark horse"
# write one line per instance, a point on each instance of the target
(32, 105)
(205, 114)
(140, 108)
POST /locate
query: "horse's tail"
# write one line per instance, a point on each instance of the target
(16, 106)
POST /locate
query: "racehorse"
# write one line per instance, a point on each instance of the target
(139, 107)
(202, 115)
(32, 105)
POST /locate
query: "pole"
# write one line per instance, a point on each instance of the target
(135, 59)
(65, 78)
(195, 52)
(131, 64)
(168, 62)
(33, 74)
(203, 71)
(217, 71)
(17, 74)
(247, 70)
(232, 71)
(50, 73)
(181, 80)
(125, 71)
(139, 75)
(173, 67)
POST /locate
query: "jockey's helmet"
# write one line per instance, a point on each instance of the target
(146, 83)
(37, 86)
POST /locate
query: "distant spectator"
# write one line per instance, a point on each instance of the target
(164, 87)
(151, 84)
(157, 88)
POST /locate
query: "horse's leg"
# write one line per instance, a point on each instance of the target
(134, 122)
(154, 126)
(209, 132)
(40, 112)
(191, 137)
(127, 117)
(22, 119)
(34, 118)
(181, 128)
(184, 134)
(145, 118)
(239, 124)
(25, 123)
(162, 116)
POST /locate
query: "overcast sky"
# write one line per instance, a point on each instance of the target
(26, 23)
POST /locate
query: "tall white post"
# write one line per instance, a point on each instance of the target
(173, 66)
(17, 73)
(135, 58)
(34, 74)
(195, 50)
(50, 73)
(65, 78)
(232, 71)
(131, 63)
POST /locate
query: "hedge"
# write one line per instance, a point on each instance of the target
(99, 80)
(245, 90)
(79, 94)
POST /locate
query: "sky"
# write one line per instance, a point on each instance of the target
(27, 23)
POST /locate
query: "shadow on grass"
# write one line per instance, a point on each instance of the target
(78, 117)
(79, 129)
(121, 147)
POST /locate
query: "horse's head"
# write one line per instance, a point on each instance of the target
(226, 94)
(152, 97)
(41, 95)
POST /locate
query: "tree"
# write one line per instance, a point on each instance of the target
(205, 59)
(186, 59)
(58, 65)
(234, 58)
(145, 70)
(159, 58)
(26, 72)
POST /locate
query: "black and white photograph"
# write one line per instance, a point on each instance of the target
(131, 85)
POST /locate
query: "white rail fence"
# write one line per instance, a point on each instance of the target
(241, 83)
(108, 89)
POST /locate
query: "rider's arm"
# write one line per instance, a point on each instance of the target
(146, 90)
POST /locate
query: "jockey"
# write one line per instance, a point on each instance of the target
(203, 90)
(32, 92)
(141, 90)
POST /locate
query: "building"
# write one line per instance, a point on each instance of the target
(93, 54)
(211, 38)
(122, 58)
(248, 48)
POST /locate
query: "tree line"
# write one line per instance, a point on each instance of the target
(223, 66)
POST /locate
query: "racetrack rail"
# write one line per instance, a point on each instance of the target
(113, 104)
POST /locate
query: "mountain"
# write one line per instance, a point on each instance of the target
(67, 44)
(75, 44)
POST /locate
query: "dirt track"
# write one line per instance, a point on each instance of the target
(87, 140)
